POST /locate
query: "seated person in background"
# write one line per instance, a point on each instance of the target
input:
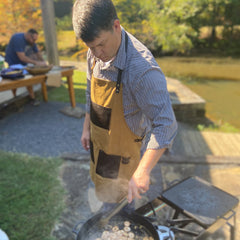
(22, 49)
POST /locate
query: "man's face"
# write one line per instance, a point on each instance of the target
(32, 38)
(106, 45)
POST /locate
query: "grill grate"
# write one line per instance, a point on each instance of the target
(200, 200)
(199, 208)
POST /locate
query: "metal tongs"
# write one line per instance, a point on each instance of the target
(107, 216)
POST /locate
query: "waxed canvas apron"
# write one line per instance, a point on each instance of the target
(115, 149)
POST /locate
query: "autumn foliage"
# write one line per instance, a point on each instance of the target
(19, 16)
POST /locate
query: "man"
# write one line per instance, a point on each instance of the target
(22, 49)
(127, 97)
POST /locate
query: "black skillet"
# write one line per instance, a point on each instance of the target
(140, 226)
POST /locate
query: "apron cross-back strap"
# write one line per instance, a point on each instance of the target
(119, 79)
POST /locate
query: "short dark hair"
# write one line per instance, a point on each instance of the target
(32, 31)
(90, 17)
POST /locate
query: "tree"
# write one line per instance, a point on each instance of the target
(170, 25)
(19, 16)
(232, 19)
(160, 24)
(212, 15)
(215, 13)
(63, 14)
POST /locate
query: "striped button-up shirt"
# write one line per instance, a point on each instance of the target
(146, 101)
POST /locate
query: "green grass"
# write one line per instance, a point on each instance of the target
(218, 127)
(61, 94)
(31, 196)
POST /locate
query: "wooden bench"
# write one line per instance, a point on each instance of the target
(30, 80)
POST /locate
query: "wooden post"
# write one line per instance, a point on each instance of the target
(50, 31)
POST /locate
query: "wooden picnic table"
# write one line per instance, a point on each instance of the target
(30, 80)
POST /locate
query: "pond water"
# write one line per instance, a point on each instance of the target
(222, 99)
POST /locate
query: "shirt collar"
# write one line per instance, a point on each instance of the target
(120, 59)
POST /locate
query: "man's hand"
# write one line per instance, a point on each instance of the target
(40, 63)
(85, 139)
(139, 183)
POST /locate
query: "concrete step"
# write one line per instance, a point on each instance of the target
(187, 105)
(199, 144)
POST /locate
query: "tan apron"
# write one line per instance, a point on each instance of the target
(115, 149)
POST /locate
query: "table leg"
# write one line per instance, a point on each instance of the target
(14, 91)
(44, 91)
(71, 90)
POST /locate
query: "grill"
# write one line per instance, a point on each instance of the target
(199, 209)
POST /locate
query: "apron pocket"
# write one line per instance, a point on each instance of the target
(100, 115)
(108, 165)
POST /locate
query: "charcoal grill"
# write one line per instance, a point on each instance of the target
(197, 202)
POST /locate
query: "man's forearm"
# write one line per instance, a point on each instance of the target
(150, 159)
(86, 124)
(26, 59)
(85, 139)
(140, 180)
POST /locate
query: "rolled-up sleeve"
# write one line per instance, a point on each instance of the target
(153, 99)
